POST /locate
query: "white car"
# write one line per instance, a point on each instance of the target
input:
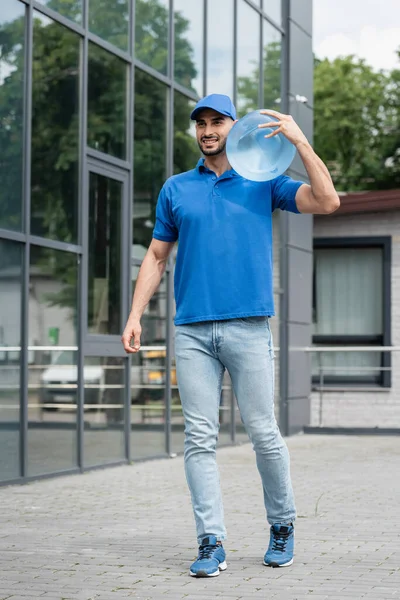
(59, 381)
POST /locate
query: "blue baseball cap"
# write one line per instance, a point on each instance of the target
(219, 102)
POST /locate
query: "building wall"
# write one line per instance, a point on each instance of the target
(296, 233)
(378, 407)
(98, 118)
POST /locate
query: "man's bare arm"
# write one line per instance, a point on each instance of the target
(149, 278)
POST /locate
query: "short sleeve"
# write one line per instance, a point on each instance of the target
(283, 192)
(165, 228)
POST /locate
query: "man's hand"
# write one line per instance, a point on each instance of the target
(286, 125)
(133, 330)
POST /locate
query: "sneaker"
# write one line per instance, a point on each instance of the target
(211, 559)
(281, 546)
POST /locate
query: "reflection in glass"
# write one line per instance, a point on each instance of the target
(148, 403)
(104, 381)
(52, 384)
(189, 18)
(55, 130)
(273, 8)
(248, 62)
(151, 33)
(220, 48)
(10, 340)
(272, 56)
(154, 317)
(110, 21)
(148, 377)
(12, 55)
(71, 9)
(186, 148)
(104, 286)
(149, 156)
(107, 83)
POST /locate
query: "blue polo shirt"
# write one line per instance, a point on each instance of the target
(224, 226)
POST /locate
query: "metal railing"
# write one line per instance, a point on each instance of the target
(324, 371)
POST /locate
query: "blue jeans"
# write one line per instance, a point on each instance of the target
(244, 347)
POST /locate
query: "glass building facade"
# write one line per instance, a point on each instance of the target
(95, 100)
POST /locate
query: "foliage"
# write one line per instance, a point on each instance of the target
(248, 87)
(356, 123)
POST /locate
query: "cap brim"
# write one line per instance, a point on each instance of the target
(196, 111)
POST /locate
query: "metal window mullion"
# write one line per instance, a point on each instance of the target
(205, 17)
(168, 273)
(185, 92)
(235, 49)
(24, 373)
(122, 54)
(261, 70)
(284, 253)
(107, 159)
(15, 236)
(53, 244)
(124, 287)
(83, 238)
(129, 218)
(57, 17)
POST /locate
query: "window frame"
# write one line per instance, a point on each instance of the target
(385, 377)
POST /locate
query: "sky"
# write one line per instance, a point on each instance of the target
(369, 29)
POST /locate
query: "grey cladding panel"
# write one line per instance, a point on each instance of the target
(301, 231)
(300, 285)
(301, 63)
(301, 11)
(299, 414)
(299, 361)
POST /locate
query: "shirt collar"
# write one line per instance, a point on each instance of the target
(201, 168)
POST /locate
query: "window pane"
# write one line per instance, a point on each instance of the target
(220, 48)
(55, 131)
(151, 33)
(273, 8)
(110, 21)
(189, 18)
(52, 385)
(349, 291)
(71, 9)
(148, 378)
(272, 66)
(248, 65)
(149, 156)
(357, 367)
(348, 301)
(107, 102)
(104, 287)
(12, 35)
(10, 340)
(103, 439)
(186, 148)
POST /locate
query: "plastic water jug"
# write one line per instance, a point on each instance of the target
(252, 155)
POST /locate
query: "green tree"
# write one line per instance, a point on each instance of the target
(351, 121)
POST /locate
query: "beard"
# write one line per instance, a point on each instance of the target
(218, 149)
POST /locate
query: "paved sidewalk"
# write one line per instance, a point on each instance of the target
(128, 532)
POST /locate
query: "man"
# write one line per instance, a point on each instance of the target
(224, 298)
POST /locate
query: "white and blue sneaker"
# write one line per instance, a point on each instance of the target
(211, 559)
(281, 546)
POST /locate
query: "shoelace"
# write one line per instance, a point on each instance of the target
(280, 540)
(206, 551)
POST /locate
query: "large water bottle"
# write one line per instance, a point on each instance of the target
(252, 155)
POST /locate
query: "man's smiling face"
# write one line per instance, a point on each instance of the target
(212, 129)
